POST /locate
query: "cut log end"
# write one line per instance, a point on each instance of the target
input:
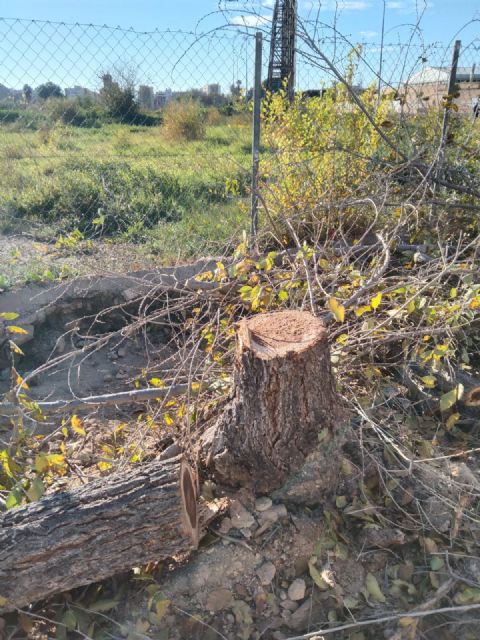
(189, 492)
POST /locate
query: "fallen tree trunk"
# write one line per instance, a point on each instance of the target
(283, 400)
(105, 527)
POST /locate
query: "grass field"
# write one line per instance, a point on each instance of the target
(177, 199)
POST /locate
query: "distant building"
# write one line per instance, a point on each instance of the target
(211, 89)
(76, 92)
(107, 80)
(428, 87)
(162, 98)
(145, 97)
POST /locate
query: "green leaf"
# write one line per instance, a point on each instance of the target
(447, 400)
(437, 563)
(470, 595)
(315, 574)
(373, 588)
(36, 490)
(101, 606)
(14, 499)
(283, 295)
(9, 315)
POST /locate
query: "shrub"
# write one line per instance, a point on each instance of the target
(113, 197)
(184, 121)
(120, 103)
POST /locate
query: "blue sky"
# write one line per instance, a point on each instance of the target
(359, 18)
(35, 53)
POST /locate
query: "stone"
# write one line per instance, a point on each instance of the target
(296, 591)
(266, 573)
(121, 352)
(262, 504)
(240, 517)
(219, 599)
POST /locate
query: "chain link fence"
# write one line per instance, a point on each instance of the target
(109, 131)
(147, 135)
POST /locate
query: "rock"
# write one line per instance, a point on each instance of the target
(296, 591)
(350, 575)
(240, 517)
(225, 526)
(219, 599)
(382, 538)
(107, 377)
(262, 504)
(122, 352)
(266, 573)
(289, 605)
(306, 615)
(436, 513)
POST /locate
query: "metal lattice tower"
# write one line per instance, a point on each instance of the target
(281, 68)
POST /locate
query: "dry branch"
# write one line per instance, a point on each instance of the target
(124, 397)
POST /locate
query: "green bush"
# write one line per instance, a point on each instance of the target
(184, 121)
(77, 112)
(113, 197)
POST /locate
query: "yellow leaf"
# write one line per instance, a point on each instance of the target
(21, 381)
(429, 381)
(447, 400)
(375, 301)
(3, 601)
(15, 348)
(168, 420)
(452, 421)
(156, 382)
(77, 425)
(373, 588)
(361, 310)
(14, 329)
(6, 315)
(162, 607)
(41, 463)
(337, 309)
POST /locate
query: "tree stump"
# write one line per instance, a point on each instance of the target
(283, 399)
(105, 527)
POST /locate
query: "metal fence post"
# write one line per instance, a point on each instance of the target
(451, 88)
(257, 102)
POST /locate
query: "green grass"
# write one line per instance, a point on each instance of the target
(127, 182)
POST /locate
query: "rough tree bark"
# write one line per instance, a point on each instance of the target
(105, 527)
(283, 399)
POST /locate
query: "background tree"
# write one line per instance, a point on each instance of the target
(118, 96)
(49, 90)
(27, 93)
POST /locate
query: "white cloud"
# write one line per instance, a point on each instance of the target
(250, 21)
(368, 34)
(352, 5)
(395, 4)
